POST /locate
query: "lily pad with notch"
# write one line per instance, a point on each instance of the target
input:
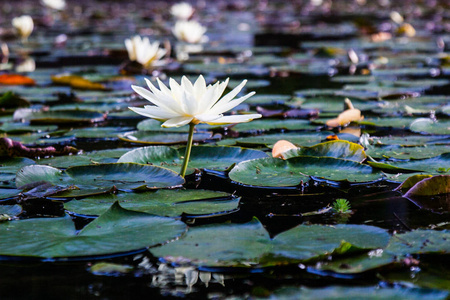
(116, 231)
(169, 203)
(275, 172)
(249, 245)
(210, 157)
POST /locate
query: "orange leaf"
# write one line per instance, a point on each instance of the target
(16, 79)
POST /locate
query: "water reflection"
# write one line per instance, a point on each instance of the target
(184, 278)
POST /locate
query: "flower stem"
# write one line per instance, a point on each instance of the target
(187, 154)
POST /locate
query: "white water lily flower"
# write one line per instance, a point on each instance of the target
(141, 50)
(189, 31)
(182, 10)
(54, 4)
(28, 65)
(192, 103)
(24, 25)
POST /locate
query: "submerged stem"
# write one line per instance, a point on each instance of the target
(188, 149)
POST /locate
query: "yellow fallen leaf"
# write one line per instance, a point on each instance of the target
(350, 114)
(280, 147)
(77, 82)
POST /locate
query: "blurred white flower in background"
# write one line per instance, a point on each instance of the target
(24, 26)
(54, 4)
(182, 10)
(189, 31)
(142, 51)
(27, 65)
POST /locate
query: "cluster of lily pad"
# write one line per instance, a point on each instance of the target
(136, 199)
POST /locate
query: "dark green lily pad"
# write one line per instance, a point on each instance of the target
(277, 172)
(103, 176)
(210, 157)
(250, 245)
(170, 203)
(412, 140)
(117, 230)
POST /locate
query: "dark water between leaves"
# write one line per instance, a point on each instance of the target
(299, 58)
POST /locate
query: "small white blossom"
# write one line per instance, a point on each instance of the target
(24, 25)
(54, 4)
(142, 51)
(189, 31)
(192, 103)
(182, 10)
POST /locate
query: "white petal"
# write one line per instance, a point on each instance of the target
(207, 100)
(207, 117)
(164, 89)
(199, 87)
(220, 107)
(154, 112)
(175, 89)
(186, 85)
(190, 103)
(165, 103)
(234, 119)
(177, 122)
(228, 97)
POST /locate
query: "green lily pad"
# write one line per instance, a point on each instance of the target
(415, 152)
(434, 165)
(420, 242)
(103, 176)
(338, 149)
(300, 139)
(8, 193)
(169, 203)
(12, 165)
(59, 117)
(21, 128)
(168, 138)
(10, 211)
(250, 245)
(276, 172)
(361, 263)
(269, 124)
(412, 140)
(210, 157)
(93, 157)
(117, 230)
(430, 126)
